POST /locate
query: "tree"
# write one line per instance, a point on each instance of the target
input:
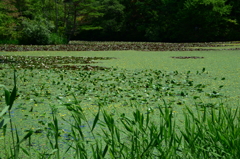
(111, 23)
(160, 18)
(8, 20)
(235, 19)
(151, 20)
(79, 15)
(183, 20)
(134, 20)
(203, 20)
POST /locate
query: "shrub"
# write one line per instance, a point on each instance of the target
(57, 39)
(36, 32)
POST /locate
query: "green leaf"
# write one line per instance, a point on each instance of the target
(53, 151)
(7, 95)
(4, 111)
(25, 151)
(128, 127)
(95, 120)
(196, 97)
(105, 150)
(12, 97)
(29, 134)
(4, 122)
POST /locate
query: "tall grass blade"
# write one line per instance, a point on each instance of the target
(16, 147)
(95, 120)
(25, 151)
(12, 97)
(105, 151)
(28, 135)
(127, 123)
(13, 93)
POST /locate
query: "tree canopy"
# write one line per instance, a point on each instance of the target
(58, 21)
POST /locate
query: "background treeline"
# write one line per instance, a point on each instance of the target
(58, 21)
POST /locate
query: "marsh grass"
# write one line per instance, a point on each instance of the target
(15, 145)
(151, 132)
(212, 134)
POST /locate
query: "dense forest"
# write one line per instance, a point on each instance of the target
(58, 21)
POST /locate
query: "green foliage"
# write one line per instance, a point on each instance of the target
(111, 22)
(57, 39)
(16, 142)
(81, 16)
(7, 41)
(6, 26)
(121, 20)
(36, 32)
(186, 20)
(8, 22)
(204, 20)
(211, 134)
(113, 16)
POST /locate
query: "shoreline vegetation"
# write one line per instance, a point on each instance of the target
(58, 22)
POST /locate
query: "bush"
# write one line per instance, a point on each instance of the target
(36, 32)
(57, 39)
